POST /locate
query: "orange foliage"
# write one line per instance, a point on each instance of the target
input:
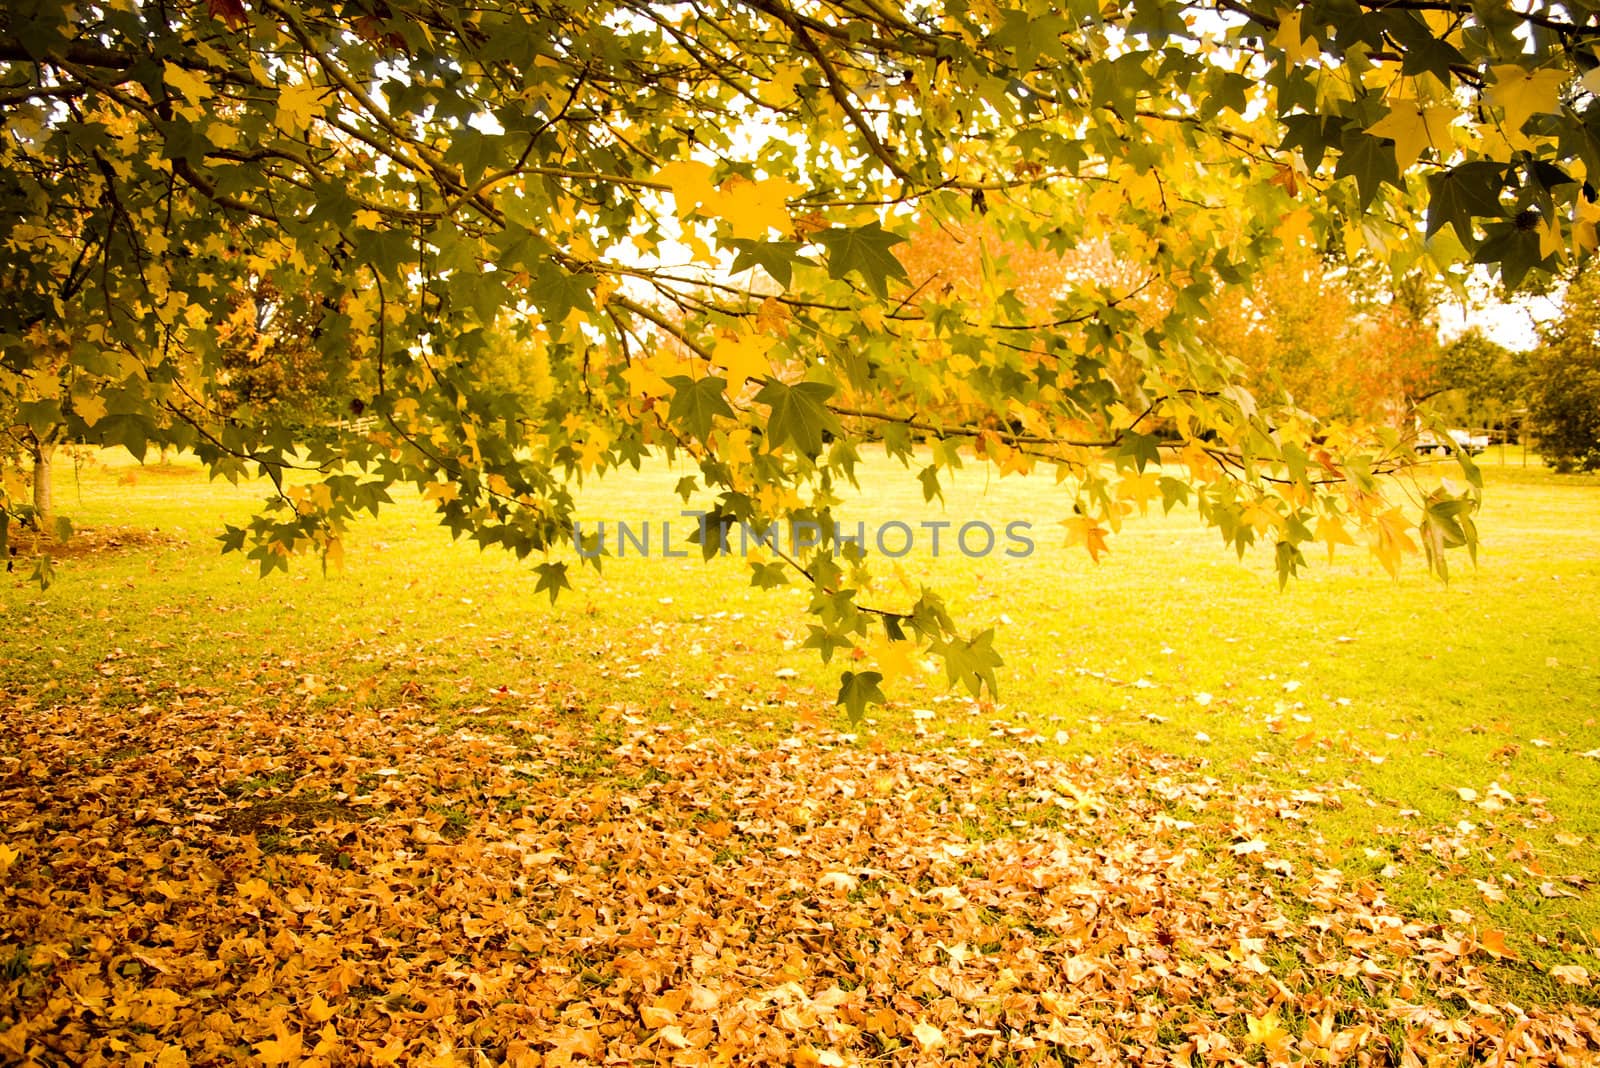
(1305, 329)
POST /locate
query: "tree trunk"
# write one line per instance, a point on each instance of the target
(44, 503)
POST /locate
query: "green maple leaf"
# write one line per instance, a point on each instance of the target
(777, 258)
(768, 576)
(825, 641)
(1456, 195)
(799, 414)
(1514, 250)
(553, 578)
(1027, 37)
(858, 689)
(1143, 449)
(1370, 160)
(971, 662)
(695, 403)
(864, 250)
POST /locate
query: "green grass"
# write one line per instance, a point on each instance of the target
(1388, 697)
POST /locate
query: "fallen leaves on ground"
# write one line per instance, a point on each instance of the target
(284, 883)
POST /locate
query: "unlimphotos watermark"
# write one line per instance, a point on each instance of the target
(894, 539)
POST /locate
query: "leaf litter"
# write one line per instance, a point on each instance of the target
(287, 883)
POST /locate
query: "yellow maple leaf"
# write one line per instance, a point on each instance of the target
(753, 208)
(927, 1036)
(779, 90)
(1289, 37)
(443, 492)
(1391, 540)
(643, 381)
(1203, 467)
(297, 105)
(1551, 243)
(1082, 530)
(1494, 943)
(172, 1056)
(1266, 1030)
(1413, 127)
(319, 1010)
(656, 1016)
(1295, 228)
(1140, 487)
(1330, 531)
(1585, 233)
(1523, 92)
(743, 356)
(187, 82)
(285, 1049)
(690, 182)
(592, 450)
(91, 408)
(895, 659)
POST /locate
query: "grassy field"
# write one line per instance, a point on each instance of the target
(1449, 734)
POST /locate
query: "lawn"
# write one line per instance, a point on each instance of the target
(1204, 818)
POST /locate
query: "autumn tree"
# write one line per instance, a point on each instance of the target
(695, 212)
(1336, 343)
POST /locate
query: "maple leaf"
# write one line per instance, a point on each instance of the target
(286, 1048)
(1331, 532)
(697, 403)
(552, 579)
(1085, 531)
(673, 1036)
(1266, 1030)
(777, 258)
(644, 381)
(1523, 93)
(753, 208)
(194, 88)
(800, 415)
(1494, 943)
(1413, 128)
(859, 689)
(690, 182)
(656, 1017)
(230, 12)
(298, 104)
(865, 251)
(743, 357)
(1297, 47)
(971, 662)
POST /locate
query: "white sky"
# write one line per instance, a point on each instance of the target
(1511, 323)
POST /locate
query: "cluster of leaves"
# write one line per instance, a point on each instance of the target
(279, 882)
(689, 216)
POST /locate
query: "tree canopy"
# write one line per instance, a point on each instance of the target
(689, 219)
(1564, 381)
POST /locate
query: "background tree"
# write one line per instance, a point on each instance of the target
(269, 359)
(1564, 391)
(606, 176)
(1482, 383)
(1337, 345)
